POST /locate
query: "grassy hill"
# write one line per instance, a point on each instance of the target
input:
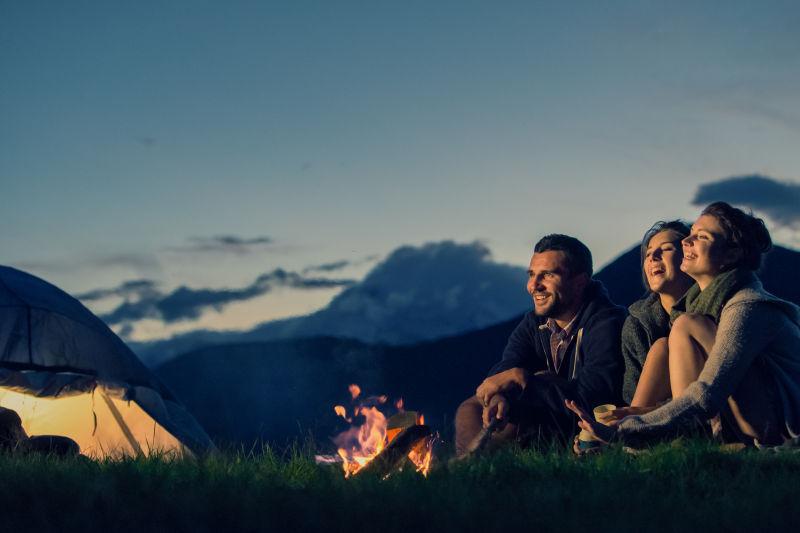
(693, 487)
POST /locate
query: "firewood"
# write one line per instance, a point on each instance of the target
(396, 451)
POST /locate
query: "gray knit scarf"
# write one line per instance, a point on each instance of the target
(710, 301)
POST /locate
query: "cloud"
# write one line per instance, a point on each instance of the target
(775, 114)
(338, 265)
(327, 267)
(138, 289)
(147, 142)
(780, 201)
(224, 244)
(144, 300)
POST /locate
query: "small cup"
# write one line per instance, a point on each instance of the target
(602, 413)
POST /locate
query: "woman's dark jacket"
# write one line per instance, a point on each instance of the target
(646, 323)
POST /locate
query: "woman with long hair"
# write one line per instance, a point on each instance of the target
(733, 349)
(644, 335)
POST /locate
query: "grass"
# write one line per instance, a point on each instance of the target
(674, 488)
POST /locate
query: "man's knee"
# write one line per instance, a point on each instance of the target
(468, 423)
(469, 410)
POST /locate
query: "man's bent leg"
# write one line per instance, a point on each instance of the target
(469, 422)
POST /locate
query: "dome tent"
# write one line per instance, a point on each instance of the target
(66, 373)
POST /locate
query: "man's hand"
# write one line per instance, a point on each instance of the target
(500, 383)
(498, 408)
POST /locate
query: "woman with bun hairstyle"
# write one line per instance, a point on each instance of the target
(733, 348)
(644, 335)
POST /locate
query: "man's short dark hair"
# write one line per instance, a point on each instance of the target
(578, 256)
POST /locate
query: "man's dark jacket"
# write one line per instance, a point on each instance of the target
(592, 369)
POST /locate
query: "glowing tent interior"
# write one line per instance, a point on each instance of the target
(66, 373)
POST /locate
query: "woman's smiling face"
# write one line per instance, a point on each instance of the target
(705, 250)
(662, 263)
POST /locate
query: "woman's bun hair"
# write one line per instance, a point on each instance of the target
(743, 231)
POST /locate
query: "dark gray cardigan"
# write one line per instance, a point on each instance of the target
(646, 323)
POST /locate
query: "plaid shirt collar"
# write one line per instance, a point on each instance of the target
(555, 329)
(560, 339)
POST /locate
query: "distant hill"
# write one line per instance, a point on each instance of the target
(282, 389)
(416, 294)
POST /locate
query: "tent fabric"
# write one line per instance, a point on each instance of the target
(52, 347)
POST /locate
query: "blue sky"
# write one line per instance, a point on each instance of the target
(131, 132)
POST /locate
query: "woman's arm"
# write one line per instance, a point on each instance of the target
(745, 330)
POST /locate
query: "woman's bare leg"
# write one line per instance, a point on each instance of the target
(756, 407)
(690, 341)
(654, 385)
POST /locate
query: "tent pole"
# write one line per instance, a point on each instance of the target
(122, 425)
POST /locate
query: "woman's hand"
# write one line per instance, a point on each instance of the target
(587, 423)
(612, 418)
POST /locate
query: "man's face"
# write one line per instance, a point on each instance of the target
(554, 290)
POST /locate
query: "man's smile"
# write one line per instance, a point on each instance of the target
(540, 297)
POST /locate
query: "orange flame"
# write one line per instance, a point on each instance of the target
(355, 390)
(363, 443)
(360, 445)
(422, 456)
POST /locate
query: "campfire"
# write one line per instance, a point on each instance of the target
(381, 445)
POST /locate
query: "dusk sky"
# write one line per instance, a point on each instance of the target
(209, 143)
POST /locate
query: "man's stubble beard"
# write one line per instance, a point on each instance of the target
(552, 310)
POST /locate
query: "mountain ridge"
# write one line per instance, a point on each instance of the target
(282, 389)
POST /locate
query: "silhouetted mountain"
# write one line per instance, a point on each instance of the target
(416, 294)
(282, 389)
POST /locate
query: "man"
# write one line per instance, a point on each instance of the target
(568, 347)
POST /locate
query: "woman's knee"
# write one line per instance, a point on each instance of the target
(697, 328)
(659, 348)
(692, 324)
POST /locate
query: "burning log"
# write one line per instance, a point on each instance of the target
(412, 438)
(380, 444)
